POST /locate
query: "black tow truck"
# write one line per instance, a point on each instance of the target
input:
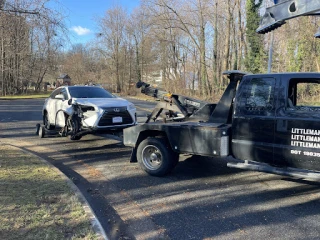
(261, 119)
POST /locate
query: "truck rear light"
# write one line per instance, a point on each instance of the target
(224, 146)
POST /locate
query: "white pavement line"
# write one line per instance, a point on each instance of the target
(96, 225)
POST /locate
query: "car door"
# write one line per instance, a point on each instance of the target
(61, 106)
(254, 120)
(51, 106)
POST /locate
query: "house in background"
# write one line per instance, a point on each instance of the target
(63, 80)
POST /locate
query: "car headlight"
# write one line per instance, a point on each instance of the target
(87, 108)
(131, 106)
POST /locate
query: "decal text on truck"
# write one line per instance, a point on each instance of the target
(307, 138)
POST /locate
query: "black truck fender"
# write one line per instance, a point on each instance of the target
(198, 138)
(133, 136)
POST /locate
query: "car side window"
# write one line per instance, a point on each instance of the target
(65, 94)
(54, 93)
(258, 97)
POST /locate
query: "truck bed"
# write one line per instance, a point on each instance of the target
(199, 138)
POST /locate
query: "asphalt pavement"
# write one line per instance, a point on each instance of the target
(200, 199)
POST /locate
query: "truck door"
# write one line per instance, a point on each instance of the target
(253, 123)
(297, 135)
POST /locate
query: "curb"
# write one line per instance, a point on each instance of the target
(150, 99)
(96, 225)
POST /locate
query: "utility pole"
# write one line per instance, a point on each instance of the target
(270, 52)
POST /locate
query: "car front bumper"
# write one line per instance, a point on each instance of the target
(108, 119)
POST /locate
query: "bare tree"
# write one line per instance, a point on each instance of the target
(28, 43)
(137, 28)
(112, 27)
(185, 43)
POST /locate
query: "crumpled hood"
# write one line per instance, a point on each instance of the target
(103, 102)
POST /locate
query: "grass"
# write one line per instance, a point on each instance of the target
(30, 96)
(35, 202)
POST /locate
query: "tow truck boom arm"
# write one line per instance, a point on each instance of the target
(187, 106)
(191, 107)
(276, 15)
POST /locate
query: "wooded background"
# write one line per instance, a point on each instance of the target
(183, 45)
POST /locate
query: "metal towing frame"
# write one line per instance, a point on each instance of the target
(276, 15)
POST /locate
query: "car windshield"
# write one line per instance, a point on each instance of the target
(89, 92)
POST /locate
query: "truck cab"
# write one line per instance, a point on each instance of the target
(275, 120)
(261, 118)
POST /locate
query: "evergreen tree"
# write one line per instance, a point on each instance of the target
(255, 55)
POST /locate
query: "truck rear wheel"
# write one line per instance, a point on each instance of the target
(156, 157)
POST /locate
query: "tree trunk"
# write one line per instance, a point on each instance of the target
(227, 40)
(215, 48)
(137, 65)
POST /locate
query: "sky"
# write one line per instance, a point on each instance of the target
(81, 14)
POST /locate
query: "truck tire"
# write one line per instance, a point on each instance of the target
(156, 157)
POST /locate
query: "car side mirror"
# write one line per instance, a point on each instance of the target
(70, 101)
(59, 96)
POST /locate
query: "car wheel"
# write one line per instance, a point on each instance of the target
(41, 132)
(38, 126)
(47, 123)
(73, 125)
(156, 157)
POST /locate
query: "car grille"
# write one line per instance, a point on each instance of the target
(110, 113)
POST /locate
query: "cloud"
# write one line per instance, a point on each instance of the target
(80, 30)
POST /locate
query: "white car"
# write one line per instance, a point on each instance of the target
(100, 111)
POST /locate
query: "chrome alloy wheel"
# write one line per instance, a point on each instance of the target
(151, 157)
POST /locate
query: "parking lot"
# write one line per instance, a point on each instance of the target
(200, 199)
